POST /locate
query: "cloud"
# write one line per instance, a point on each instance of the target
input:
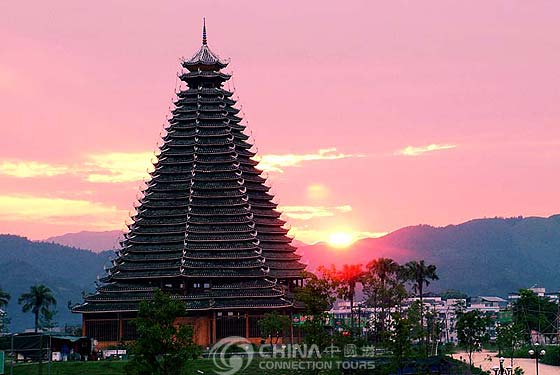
(59, 211)
(310, 212)
(116, 167)
(276, 163)
(416, 151)
(366, 234)
(28, 169)
(113, 167)
(311, 235)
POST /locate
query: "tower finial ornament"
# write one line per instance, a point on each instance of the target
(204, 41)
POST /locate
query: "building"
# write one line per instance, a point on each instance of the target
(487, 304)
(446, 312)
(206, 229)
(444, 309)
(539, 291)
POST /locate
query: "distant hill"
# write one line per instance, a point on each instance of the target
(94, 241)
(67, 271)
(483, 256)
(479, 257)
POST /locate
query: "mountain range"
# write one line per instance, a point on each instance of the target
(480, 257)
(94, 241)
(67, 271)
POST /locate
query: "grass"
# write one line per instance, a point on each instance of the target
(196, 367)
(71, 368)
(199, 366)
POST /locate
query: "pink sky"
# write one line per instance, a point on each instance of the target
(85, 88)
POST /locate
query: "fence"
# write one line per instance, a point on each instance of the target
(29, 347)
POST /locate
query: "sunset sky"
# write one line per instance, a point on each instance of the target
(367, 115)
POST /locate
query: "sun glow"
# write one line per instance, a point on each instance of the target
(341, 239)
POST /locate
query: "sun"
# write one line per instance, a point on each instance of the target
(340, 239)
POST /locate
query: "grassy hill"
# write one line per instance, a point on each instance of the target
(67, 271)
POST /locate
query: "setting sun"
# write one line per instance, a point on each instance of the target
(340, 239)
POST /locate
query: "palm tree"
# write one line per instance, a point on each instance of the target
(419, 274)
(4, 298)
(344, 281)
(38, 300)
(382, 285)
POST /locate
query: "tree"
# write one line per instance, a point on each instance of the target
(453, 294)
(162, 347)
(508, 337)
(399, 337)
(345, 281)
(413, 313)
(471, 331)
(274, 324)
(383, 288)
(434, 328)
(4, 298)
(39, 301)
(535, 313)
(317, 295)
(419, 275)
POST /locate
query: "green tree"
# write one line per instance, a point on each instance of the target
(471, 331)
(453, 294)
(274, 324)
(419, 274)
(4, 299)
(413, 313)
(162, 348)
(317, 295)
(345, 281)
(508, 336)
(535, 313)
(383, 289)
(399, 337)
(434, 328)
(39, 300)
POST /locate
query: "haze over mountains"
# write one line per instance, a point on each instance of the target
(94, 241)
(479, 257)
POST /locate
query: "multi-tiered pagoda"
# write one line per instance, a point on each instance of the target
(206, 231)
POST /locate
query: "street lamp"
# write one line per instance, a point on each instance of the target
(502, 370)
(537, 354)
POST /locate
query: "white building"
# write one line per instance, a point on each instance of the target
(541, 292)
(446, 311)
(487, 304)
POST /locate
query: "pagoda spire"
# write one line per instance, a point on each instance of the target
(204, 58)
(204, 40)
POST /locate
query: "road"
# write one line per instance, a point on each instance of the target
(488, 360)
